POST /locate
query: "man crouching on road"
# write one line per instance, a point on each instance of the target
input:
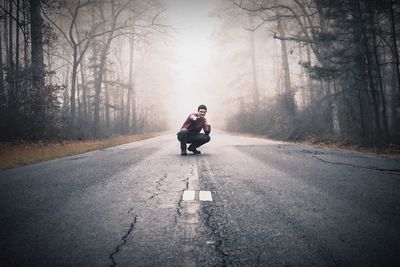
(190, 131)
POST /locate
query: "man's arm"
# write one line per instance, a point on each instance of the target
(188, 121)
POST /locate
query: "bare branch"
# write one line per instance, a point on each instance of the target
(57, 27)
(295, 16)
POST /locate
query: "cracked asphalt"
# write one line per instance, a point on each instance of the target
(274, 204)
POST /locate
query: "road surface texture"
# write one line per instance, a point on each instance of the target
(273, 204)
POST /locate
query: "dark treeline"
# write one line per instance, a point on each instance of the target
(348, 51)
(61, 69)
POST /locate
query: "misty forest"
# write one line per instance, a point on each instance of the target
(286, 69)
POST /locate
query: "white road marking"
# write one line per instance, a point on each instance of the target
(188, 195)
(205, 196)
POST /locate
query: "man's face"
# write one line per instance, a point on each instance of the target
(202, 112)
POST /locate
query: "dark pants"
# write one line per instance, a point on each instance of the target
(196, 139)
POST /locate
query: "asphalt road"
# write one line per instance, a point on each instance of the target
(273, 204)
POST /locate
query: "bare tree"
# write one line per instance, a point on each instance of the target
(119, 25)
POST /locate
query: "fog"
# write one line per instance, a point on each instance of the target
(212, 61)
(194, 68)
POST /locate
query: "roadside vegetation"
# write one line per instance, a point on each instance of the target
(391, 150)
(387, 150)
(23, 153)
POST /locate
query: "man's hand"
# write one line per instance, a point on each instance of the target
(193, 117)
(207, 129)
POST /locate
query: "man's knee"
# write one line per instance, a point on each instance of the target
(182, 134)
(207, 138)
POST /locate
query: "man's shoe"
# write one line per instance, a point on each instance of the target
(194, 150)
(183, 152)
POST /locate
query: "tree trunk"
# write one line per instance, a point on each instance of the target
(26, 29)
(37, 66)
(122, 112)
(49, 65)
(276, 68)
(17, 86)
(106, 98)
(78, 99)
(115, 111)
(303, 78)
(5, 26)
(396, 59)
(2, 91)
(66, 98)
(253, 66)
(285, 61)
(370, 75)
(99, 82)
(360, 81)
(285, 64)
(361, 110)
(73, 83)
(11, 67)
(373, 91)
(309, 84)
(335, 110)
(37, 45)
(99, 78)
(84, 91)
(133, 111)
(130, 83)
(378, 71)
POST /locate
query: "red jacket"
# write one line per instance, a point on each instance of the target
(196, 126)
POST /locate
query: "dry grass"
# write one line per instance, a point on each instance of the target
(13, 155)
(387, 150)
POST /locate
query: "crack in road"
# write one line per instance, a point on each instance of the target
(159, 184)
(208, 211)
(187, 183)
(179, 208)
(388, 171)
(124, 239)
(192, 170)
(153, 196)
(219, 242)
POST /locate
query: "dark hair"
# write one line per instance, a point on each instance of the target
(202, 107)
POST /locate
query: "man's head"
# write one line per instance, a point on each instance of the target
(202, 109)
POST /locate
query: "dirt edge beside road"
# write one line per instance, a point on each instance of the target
(388, 150)
(23, 153)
